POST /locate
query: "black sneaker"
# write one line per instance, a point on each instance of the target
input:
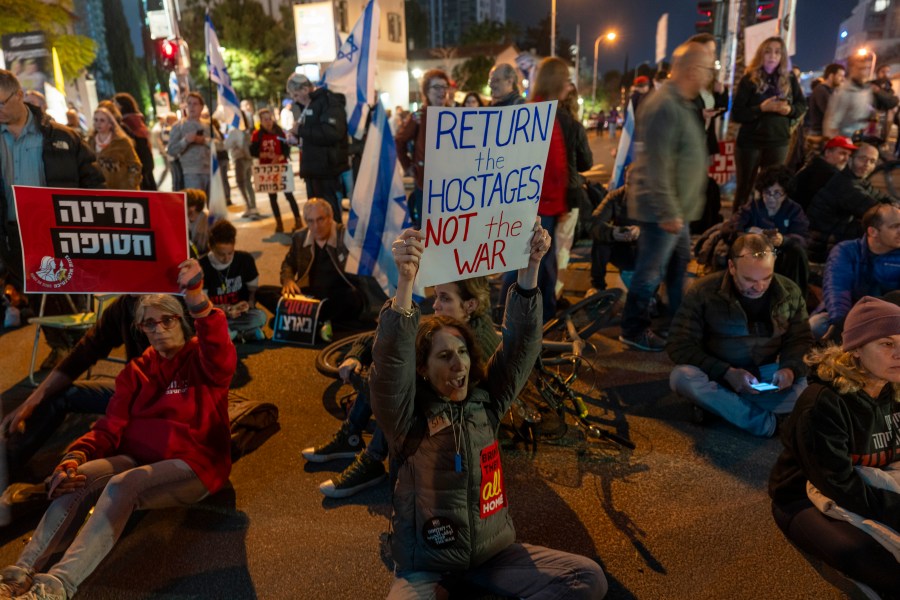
(363, 473)
(646, 341)
(344, 444)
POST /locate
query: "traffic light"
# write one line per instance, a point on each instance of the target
(168, 54)
(708, 11)
(765, 10)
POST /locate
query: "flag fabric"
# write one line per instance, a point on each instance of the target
(378, 211)
(625, 151)
(218, 74)
(173, 87)
(353, 71)
(216, 201)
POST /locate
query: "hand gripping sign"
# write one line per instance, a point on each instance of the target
(97, 241)
(484, 169)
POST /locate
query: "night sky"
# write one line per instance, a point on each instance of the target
(635, 22)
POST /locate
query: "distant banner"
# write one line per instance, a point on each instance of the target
(96, 241)
(297, 320)
(484, 170)
(29, 59)
(722, 168)
(273, 178)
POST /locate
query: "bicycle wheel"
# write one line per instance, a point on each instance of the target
(588, 316)
(330, 357)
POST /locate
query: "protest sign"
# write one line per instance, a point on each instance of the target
(484, 170)
(297, 320)
(101, 242)
(722, 168)
(273, 178)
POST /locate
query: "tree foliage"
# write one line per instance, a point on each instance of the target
(53, 17)
(126, 71)
(538, 37)
(472, 75)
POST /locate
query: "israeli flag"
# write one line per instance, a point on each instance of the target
(353, 71)
(378, 208)
(625, 151)
(218, 208)
(218, 74)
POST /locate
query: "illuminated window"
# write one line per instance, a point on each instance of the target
(881, 5)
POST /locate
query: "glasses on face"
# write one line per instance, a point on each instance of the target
(8, 98)
(439, 88)
(773, 194)
(167, 322)
(759, 255)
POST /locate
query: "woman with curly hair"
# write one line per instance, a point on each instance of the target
(844, 435)
(767, 103)
(116, 156)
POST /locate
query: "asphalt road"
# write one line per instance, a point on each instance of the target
(683, 516)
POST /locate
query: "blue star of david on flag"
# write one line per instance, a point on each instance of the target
(352, 48)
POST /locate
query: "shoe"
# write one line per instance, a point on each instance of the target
(257, 335)
(21, 500)
(55, 357)
(45, 587)
(363, 473)
(344, 444)
(325, 331)
(279, 226)
(646, 341)
(14, 581)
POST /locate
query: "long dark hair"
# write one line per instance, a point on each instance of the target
(127, 103)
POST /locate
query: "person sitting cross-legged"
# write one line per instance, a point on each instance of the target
(735, 329)
(164, 441)
(231, 281)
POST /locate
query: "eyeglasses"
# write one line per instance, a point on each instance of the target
(8, 98)
(439, 88)
(167, 322)
(773, 194)
(758, 255)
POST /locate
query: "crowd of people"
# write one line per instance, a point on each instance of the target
(794, 331)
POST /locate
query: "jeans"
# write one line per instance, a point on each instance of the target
(358, 419)
(249, 321)
(243, 175)
(547, 273)
(116, 486)
(660, 255)
(326, 189)
(819, 324)
(197, 181)
(751, 412)
(84, 397)
(519, 570)
(749, 161)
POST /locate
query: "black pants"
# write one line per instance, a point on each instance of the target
(326, 189)
(749, 161)
(276, 212)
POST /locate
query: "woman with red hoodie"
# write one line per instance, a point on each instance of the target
(164, 441)
(269, 145)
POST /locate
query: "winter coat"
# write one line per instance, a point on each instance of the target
(323, 129)
(413, 130)
(578, 158)
(514, 98)
(851, 105)
(194, 158)
(814, 175)
(765, 129)
(790, 220)
(853, 271)
(299, 259)
(710, 329)
(449, 515)
(119, 163)
(136, 128)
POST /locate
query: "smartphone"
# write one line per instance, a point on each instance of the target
(764, 387)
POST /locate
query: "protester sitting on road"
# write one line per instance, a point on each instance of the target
(30, 425)
(781, 220)
(116, 156)
(467, 301)
(840, 438)
(269, 145)
(836, 210)
(819, 170)
(868, 266)
(164, 442)
(315, 266)
(614, 238)
(231, 281)
(198, 221)
(740, 328)
(439, 406)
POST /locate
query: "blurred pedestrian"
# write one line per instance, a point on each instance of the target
(269, 145)
(115, 151)
(189, 143)
(134, 125)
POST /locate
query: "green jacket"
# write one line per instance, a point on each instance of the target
(444, 518)
(710, 330)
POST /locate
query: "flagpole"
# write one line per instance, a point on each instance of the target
(208, 78)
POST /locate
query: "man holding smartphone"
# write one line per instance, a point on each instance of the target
(189, 145)
(738, 329)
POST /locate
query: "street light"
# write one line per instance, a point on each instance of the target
(866, 52)
(610, 37)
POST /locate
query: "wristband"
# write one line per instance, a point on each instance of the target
(74, 456)
(201, 307)
(527, 293)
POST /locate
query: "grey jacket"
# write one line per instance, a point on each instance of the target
(437, 522)
(669, 174)
(194, 158)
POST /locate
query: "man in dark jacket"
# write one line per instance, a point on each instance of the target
(737, 329)
(504, 83)
(835, 211)
(322, 128)
(868, 266)
(820, 169)
(832, 78)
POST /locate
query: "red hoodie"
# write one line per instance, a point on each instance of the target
(556, 175)
(173, 408)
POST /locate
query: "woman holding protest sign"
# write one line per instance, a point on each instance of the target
(435, 85)
(270, 146)
(116, 156)
(439, 407)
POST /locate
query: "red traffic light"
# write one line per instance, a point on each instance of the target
(706, 8)
(168, 49)
(168, 54)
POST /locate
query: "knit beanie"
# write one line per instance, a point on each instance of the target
(870, 319)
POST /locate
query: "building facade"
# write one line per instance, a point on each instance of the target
(873, 25)
(448, 19)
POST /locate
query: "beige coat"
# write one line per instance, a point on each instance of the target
(119, 163)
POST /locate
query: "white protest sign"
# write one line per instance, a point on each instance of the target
(484, 170)
(273, 178)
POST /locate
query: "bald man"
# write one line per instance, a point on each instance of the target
(668, 190)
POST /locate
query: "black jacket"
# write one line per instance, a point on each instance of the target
(826, 436)
(68, 162)
(579, 158)
(764, 129)
(804, 186)
(323, 129)
(514, 98)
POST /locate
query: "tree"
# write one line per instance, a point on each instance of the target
(472, 75)
(75, 52)
(417, 26)
(124, 68)
(490, 32)
(539, 38)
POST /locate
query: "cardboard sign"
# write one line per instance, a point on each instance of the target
(722, 168)
(297, 320)
(484, 171)
(101, 242)
(273, 178)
